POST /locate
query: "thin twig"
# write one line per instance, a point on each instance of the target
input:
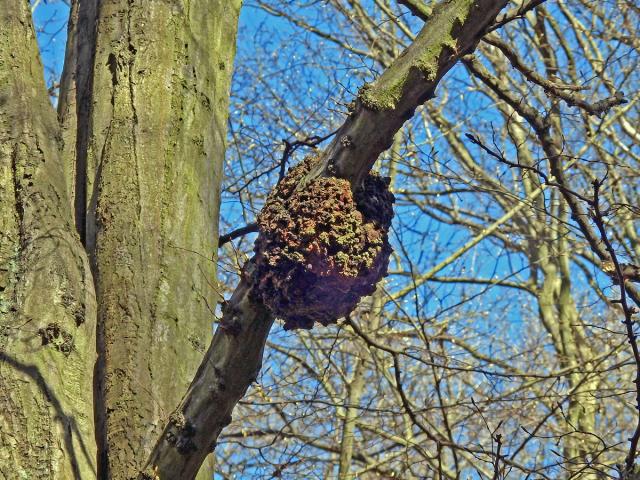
(515, 14)
(502, 159)
(569, 93)
(291, 147)
(496, 464)
(598, 218)
(238, 232)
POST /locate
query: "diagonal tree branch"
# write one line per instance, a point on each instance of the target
(234, 357)
(569, 93)
(381, 108)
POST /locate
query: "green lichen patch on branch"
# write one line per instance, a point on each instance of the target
(377, 98)
(422, 60)
(321, 248)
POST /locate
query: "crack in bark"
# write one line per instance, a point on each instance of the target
(84, 72)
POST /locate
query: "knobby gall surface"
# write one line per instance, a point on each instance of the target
(321, 248)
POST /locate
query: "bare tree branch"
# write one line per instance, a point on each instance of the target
(234, 357)
(569, 93)
(417, 8)
(238, 232)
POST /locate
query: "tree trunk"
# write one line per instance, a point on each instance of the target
(143, 110)
(47, 301)
(150, 147)
(144, 103)
(355, 390)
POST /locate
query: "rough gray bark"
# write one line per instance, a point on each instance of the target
(152, 88)
(380, 110)
(67, 105)
(231, 364)
(47, 302)
(74, 105)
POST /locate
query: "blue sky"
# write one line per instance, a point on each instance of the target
(50, 19)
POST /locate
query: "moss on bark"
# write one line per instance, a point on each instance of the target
(424, 57)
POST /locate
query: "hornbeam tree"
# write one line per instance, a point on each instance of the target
(102, 315)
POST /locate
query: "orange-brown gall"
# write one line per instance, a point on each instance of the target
(321, 248)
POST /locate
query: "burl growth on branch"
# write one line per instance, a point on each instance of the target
(321, 248)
